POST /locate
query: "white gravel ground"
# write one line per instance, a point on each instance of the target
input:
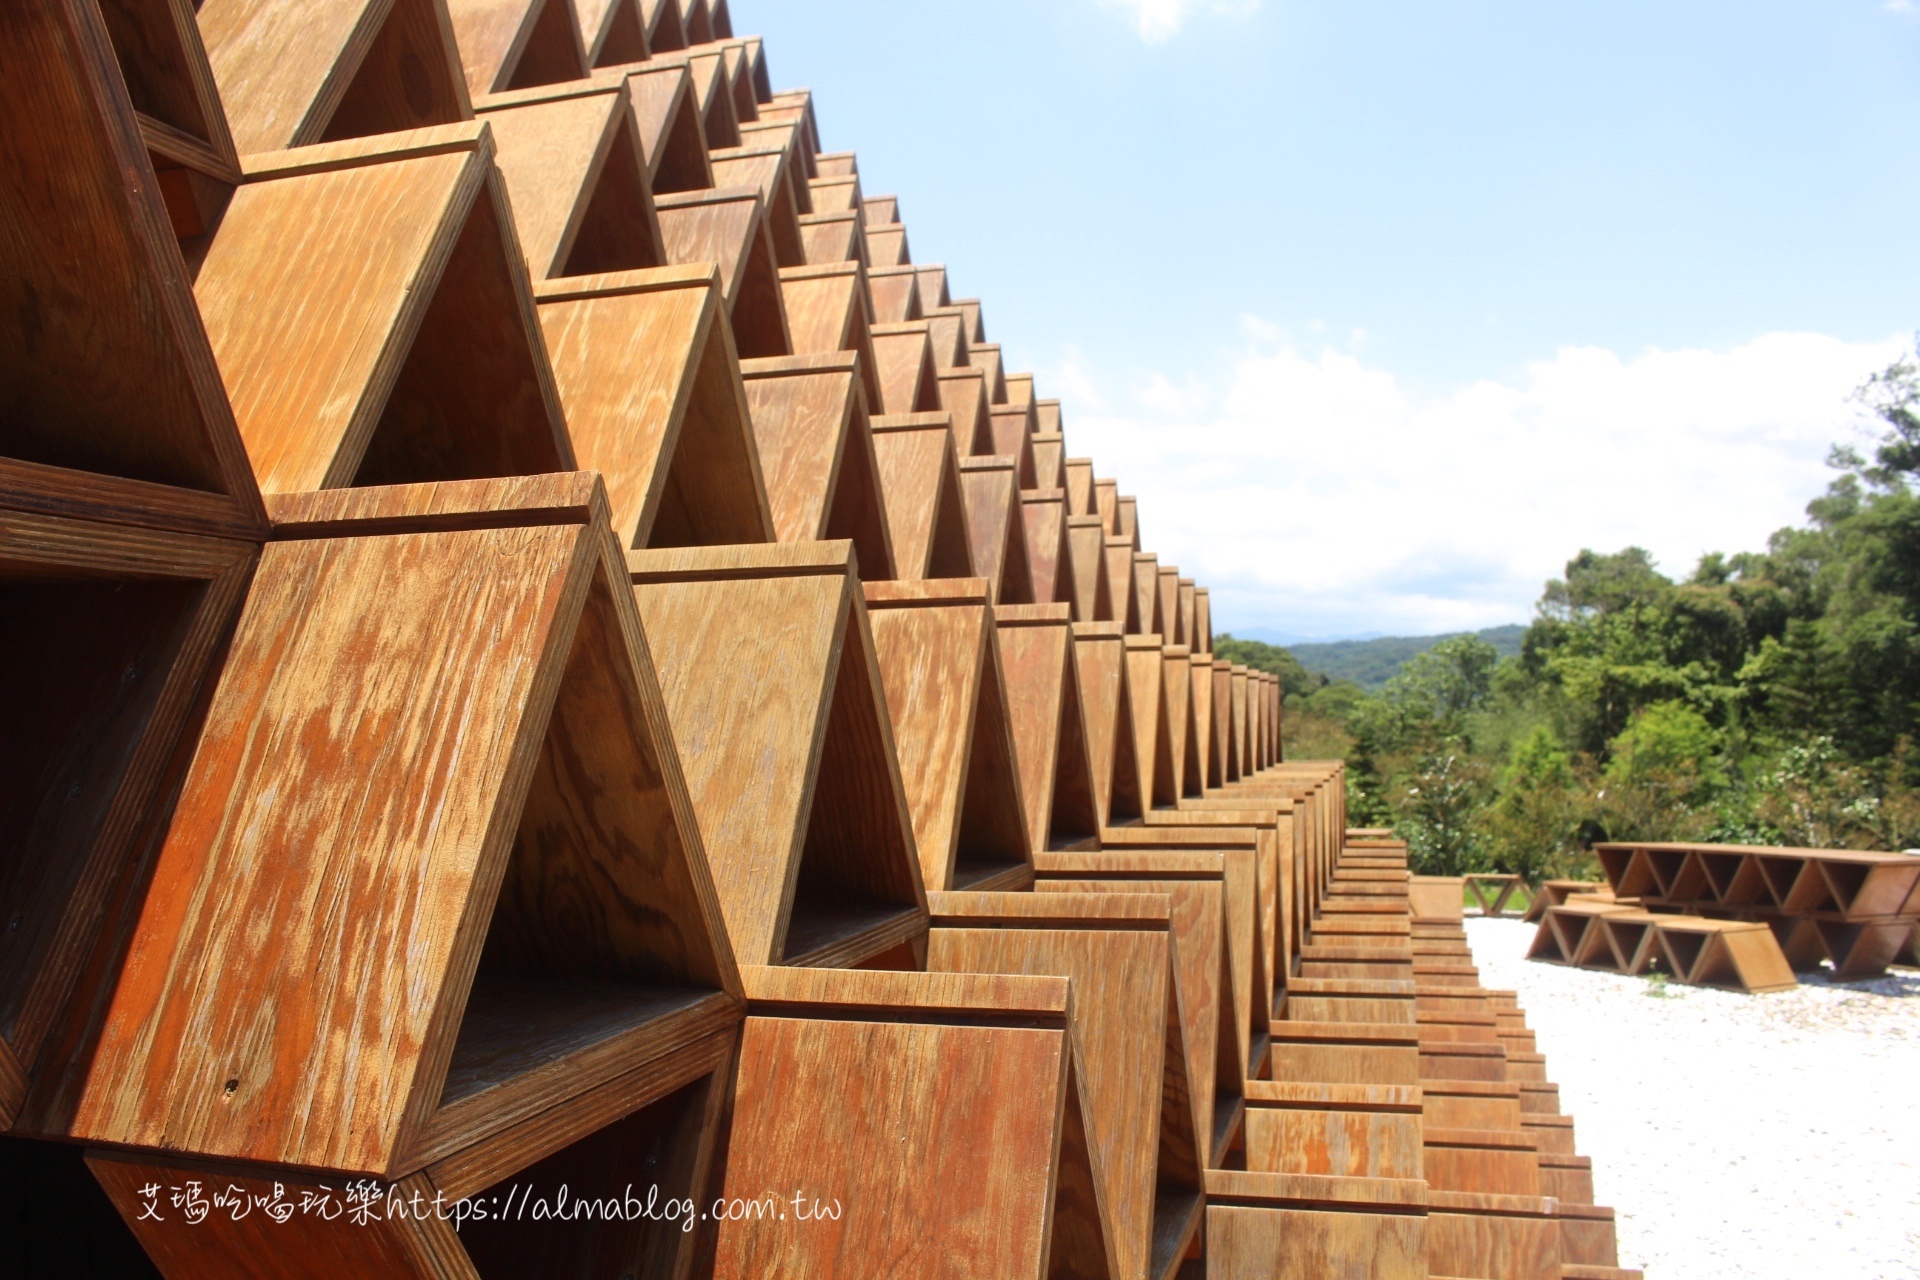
(1737, 1136)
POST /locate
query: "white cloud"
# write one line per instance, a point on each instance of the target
(1161, 20)
(1902, 6)
(1316, 495)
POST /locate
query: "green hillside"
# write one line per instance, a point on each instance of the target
(1371, 663)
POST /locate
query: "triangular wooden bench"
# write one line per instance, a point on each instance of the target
(997, 527)
(1122, 958)
(794, 782)
(652, 389)
(965, 1080)
(494, 938)
(947, 696)
(726, 226)
(1044, 703)
(460, 387)
(816, 451)
(921, 492)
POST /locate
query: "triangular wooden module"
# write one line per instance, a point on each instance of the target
(1106, 504)
(671, 136)
(698, 21)
(883, 211)
(1049, 728)
(652, 389)
(839, 193)
(1152, 734)
(948, 699)
(768, 169)
(1122, 956)
(833, 237)
(1118, 553)
(726, 226)
(1126, 519)
(614, 31)
(329, 70)
(1224, 766)
(997, 527)
(1049, 556)
(665, 32)
(469, 954)
(1200, 762)
(827, 311)
(948, 329)
(577, 178)
(1213, 926)
(895, 294)
(1146, 593)
(887, 244)
(920, 489)
(794, 781)
(1049, 453)
(460, 387)
(908, 383)
(109, 632)
(1010, 428)
(1176, 683)
(816, 451)
(836, 1066)
(713, 96)
(1167, 587)
(963, 394)
(1101, 652)
(933, 285)
(517, 44)
(1093, 597)
(985, 356)
(1202, 620)
(118, 380)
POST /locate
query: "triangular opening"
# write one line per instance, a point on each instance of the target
(1092, 602)
(804, 418)
(1546, 942)
(1074, 819)
(1146, 593)
(699, 25)
(1123, 805)
(1570, 931)
(1176, 678)
(1079, 1245)
(718, 118)
(595, 934)
(468, 402)
(759, 312)
(1126, 608)
(1179, 1159)
(670, 135)
(1153, 747)
(1615, 863)
(1682, 949)
(615, 231)
(1716, 967)
(1050, 559)
(1012, 438)
(1690, 881)
(764, 168)
(991, 851)
(725, 227)
(915, 464)
(552, 51)
(854, 509)
(1722, 870)
(158, 69)
(405, 81)
(648, 1160)
(1844, 881)
(949, 553)
(1624, 938)
(1192, 771)
(80, 265)
(1016, 574)
(723, 30)
(857, 869)
(961, 395)
(1637, 877)
(908, 382)
(623, 38)
(85, 661)
(712, 495)
(1665, 866)
(1779, 875)
(665, 31)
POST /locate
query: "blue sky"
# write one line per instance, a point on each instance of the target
(1384, 310)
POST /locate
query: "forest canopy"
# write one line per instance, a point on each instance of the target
(1771, 697)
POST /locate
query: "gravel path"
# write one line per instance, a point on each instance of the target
(1737, 1136)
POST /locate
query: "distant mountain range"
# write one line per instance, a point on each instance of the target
(1371, 663)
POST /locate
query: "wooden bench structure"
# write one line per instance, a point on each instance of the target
(545, 655)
